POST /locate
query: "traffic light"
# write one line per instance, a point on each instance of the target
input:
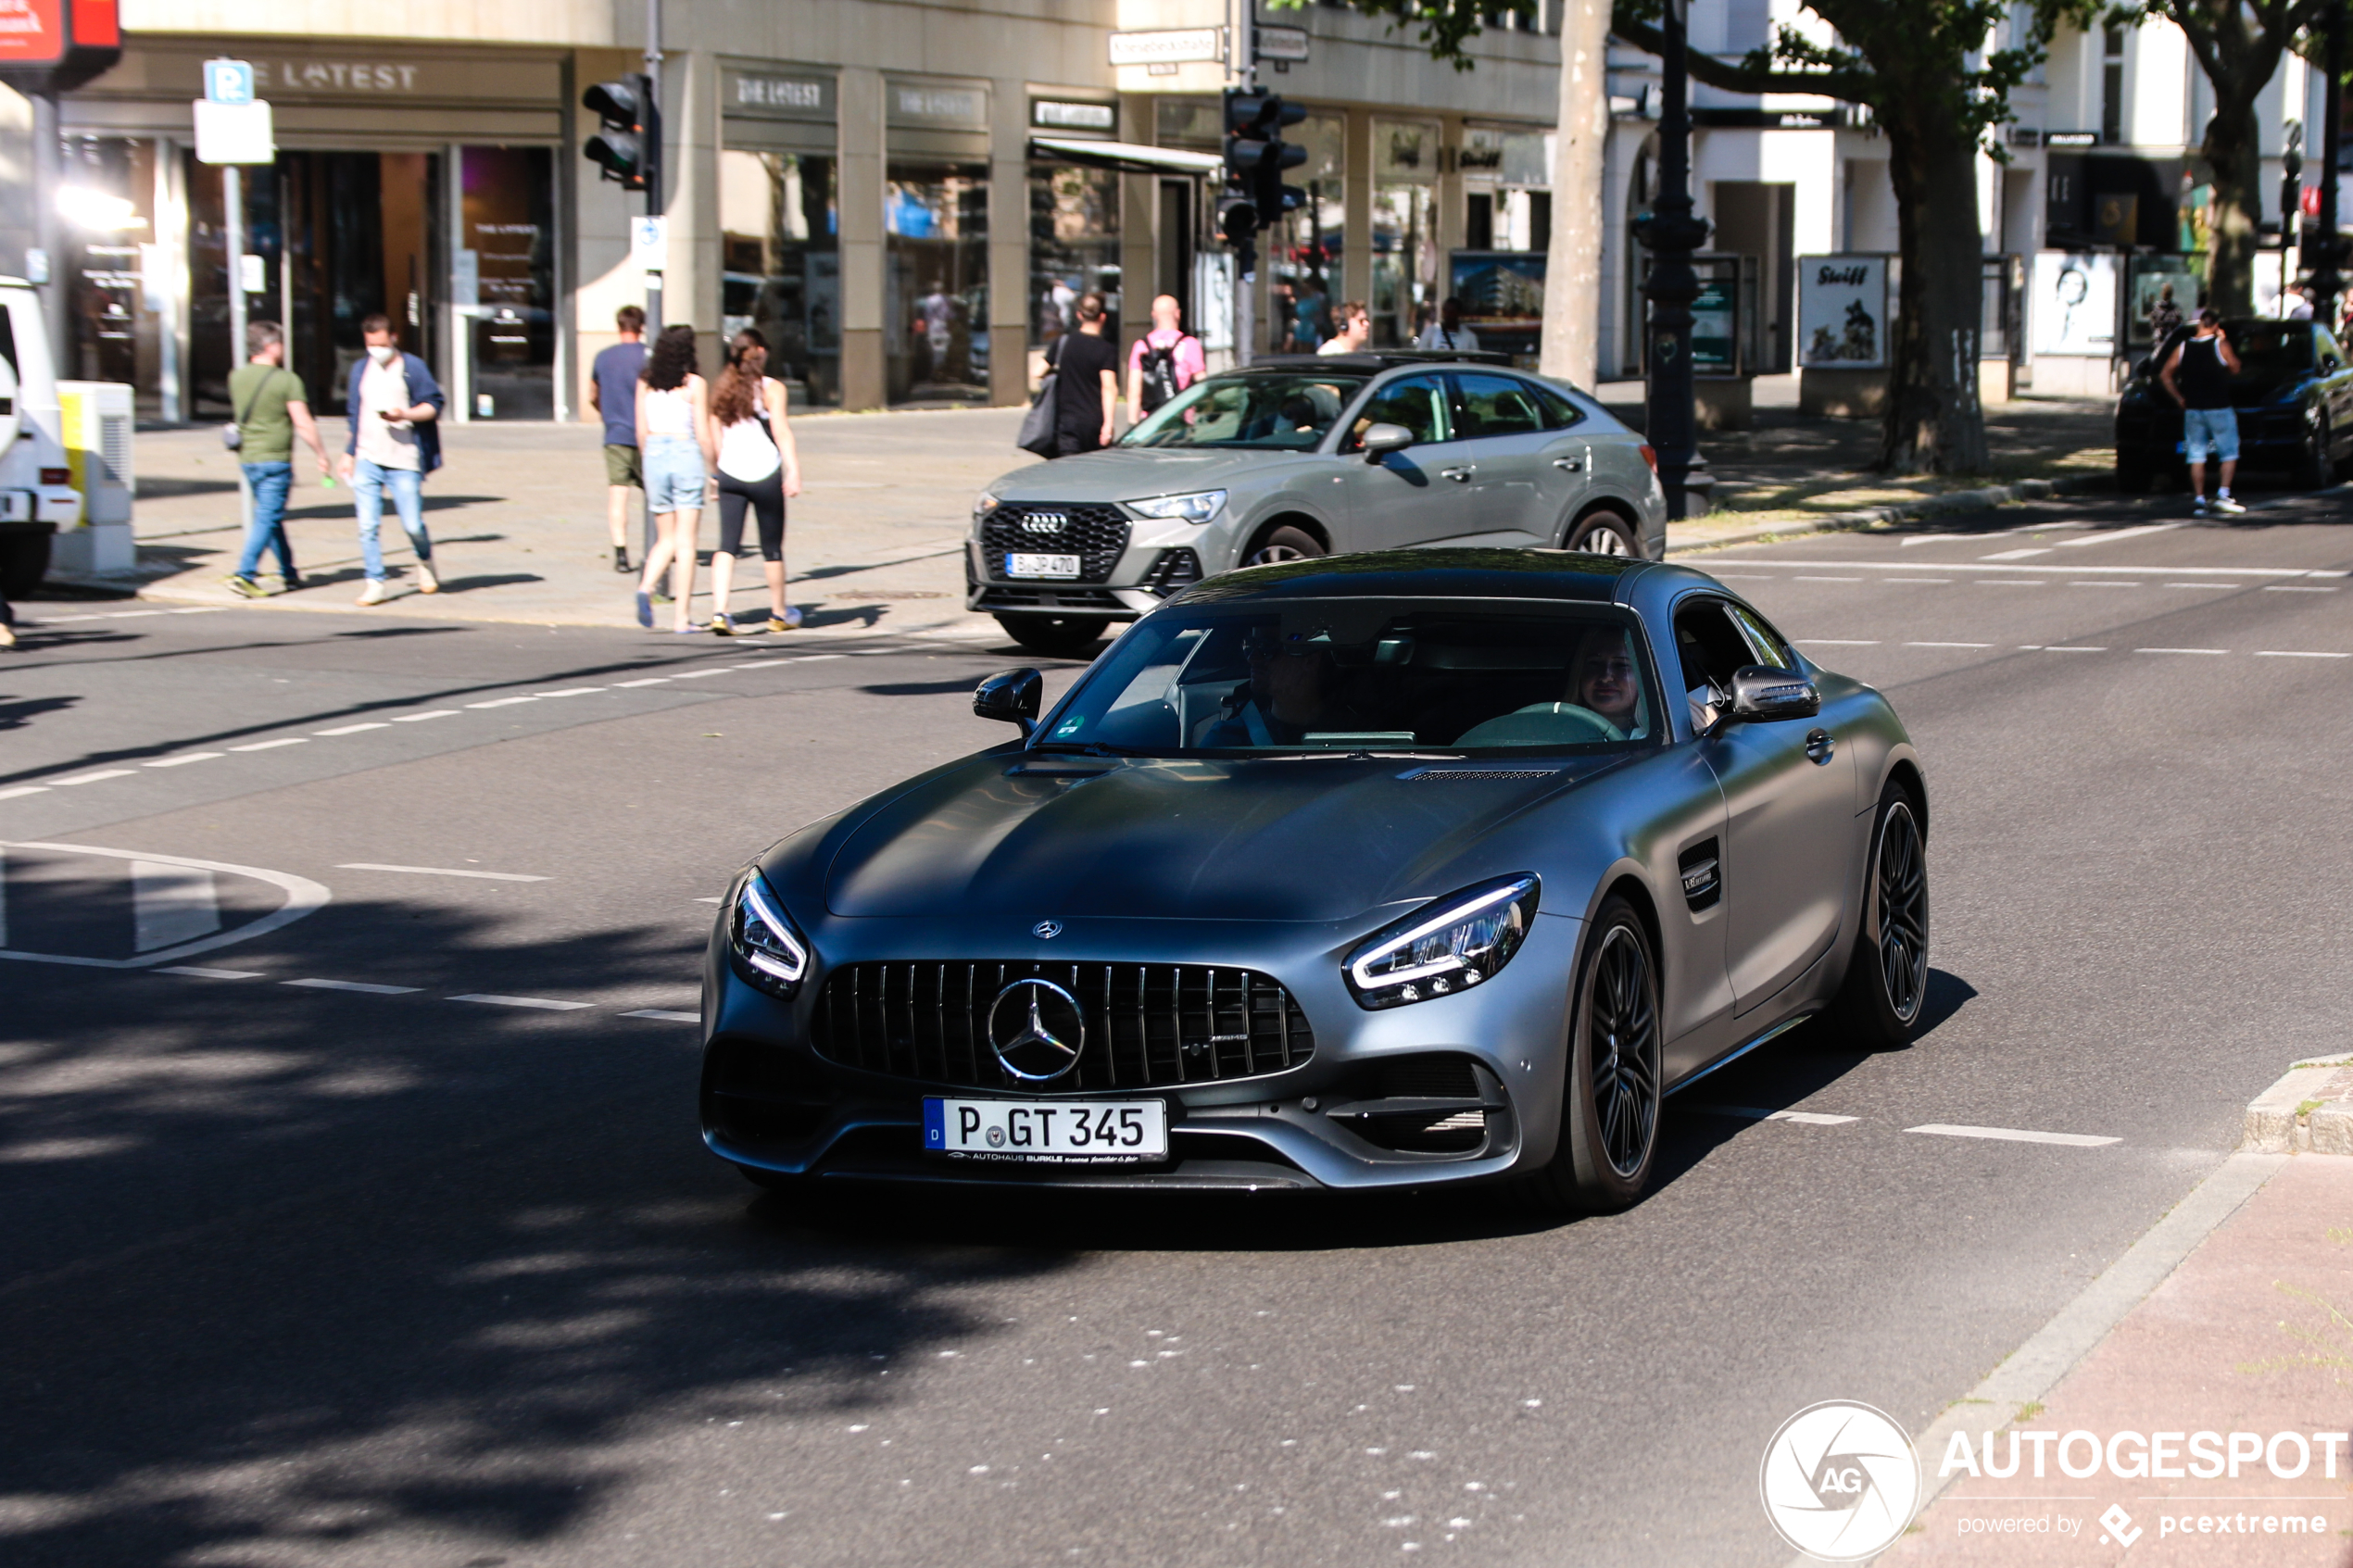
(1256, 155)
(628, 145)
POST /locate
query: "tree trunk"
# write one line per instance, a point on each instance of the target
(1934, 423)
(2233, 155)
(1573, 265)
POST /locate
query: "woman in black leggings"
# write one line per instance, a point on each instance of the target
(758, 468)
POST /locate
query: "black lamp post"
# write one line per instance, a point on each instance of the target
(2322, 259)
(1671, 232)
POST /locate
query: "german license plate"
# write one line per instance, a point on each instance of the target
(1041, 566)
(1063, 1131)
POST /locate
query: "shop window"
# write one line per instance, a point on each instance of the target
(105, 219)
(936, 282)
(1073, 249)
(1405, 231)
(781, 265)
(508, 248)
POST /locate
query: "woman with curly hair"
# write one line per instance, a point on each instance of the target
(758, 468)
(674, 434)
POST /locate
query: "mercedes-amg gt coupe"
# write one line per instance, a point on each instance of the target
(1377, 870)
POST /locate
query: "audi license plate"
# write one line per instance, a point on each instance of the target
(1041, 566)
(1066, 1131)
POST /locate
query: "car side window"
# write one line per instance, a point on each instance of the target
(1710, 646)
(2331, 356)
(1559, 412)
(1417, 402)
(1488, 406)
(1772, 648)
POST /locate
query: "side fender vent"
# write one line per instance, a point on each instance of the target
(1703, 875)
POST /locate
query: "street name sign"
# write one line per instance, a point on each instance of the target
(1282, 43)
(1168, 46)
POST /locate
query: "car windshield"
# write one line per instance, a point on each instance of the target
(1281, 412)
(1341, 675)
(2268, 350)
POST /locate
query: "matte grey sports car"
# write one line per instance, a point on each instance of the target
(1382, 870)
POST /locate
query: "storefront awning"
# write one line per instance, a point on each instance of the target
(1126, 158)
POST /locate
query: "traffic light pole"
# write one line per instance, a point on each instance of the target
(653, 173)
(1244, 44)
(2326, 279)
(1672, 235)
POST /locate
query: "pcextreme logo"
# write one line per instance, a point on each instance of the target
(1839, 1481)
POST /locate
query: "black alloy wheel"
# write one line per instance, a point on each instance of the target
(1058, 636)
(1609, 1113)
(1606, 534)
(1878, 1005)
(1286, 544)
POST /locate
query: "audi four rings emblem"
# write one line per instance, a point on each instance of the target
(1044, 522)
(1036, 1030)
(1047, 930)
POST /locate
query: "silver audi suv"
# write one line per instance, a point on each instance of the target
(1301, 456)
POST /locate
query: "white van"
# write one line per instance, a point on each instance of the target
(37, 497)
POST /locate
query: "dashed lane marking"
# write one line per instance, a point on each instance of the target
(571, 691)
(2296, 588)
(2111, 536)
(547, 1002)
(2180, 650)
(184, 758)
(360, 986)
(2018, 555)
(211, 973)
(2010, 583)
(2014, 1135)
(1948, 645)
(1829, 580)
(355, 729)
(1839, 642)
(698, 675)
(273, 745)
(665, 1015)
(502, 702)
(2282, 653)
(23, 789)
(430, 713)
(1923, 581)
(93, 778)
(2073, 648)
(1756, 1113)
(648, 681)
(438, 870)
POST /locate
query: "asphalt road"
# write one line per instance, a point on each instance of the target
(426, 1264)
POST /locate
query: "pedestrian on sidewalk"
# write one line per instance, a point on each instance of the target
(674, 434)
(1448, 332)
(395, 409)
(2197, 376)
(612, 392)
(273, 410)
(759, 469)
(1355, 330)
(1086, 382)
(1164, 361)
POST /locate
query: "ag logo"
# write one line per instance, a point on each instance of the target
(1035, 1029)
(1839, 1481)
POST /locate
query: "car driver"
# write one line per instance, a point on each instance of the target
(1290, 692)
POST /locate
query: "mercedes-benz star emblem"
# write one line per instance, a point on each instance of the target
(1035, 1029)
(1047, 930)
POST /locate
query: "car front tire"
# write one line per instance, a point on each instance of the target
(1878, 1005)
(1058, 636)
(1609, 1112)
(1285, 544)
(1606, 534)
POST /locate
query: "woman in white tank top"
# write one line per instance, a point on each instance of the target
(758, 468)
(675, 437)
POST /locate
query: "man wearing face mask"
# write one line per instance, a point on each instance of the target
(395, 406)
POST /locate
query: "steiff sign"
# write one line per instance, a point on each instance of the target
(1842, 312)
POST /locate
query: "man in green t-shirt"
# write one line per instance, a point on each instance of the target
(272, 410)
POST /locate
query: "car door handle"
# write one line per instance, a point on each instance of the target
(1568, 465)
(1819, 746)
(1461, 475)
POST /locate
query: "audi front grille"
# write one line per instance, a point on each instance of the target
(1094, 532)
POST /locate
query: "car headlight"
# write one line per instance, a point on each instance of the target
(983, 505)
(773, 953)
(1448, 946)
(1198, 507)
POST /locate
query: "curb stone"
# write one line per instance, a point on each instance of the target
(1953, 501)
(2309, 1111)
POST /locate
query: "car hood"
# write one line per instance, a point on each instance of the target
(1319, 839)
(1131, 473)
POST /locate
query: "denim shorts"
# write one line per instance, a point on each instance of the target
(2211, 430)
(673, 473)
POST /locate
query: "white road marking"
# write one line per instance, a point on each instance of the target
(648, 681)
(2112, 535)
(1811, 642)
(2206, 586)
(1948, 645)
(2071, 566)
(433, 713)
(93, 778)
(303, 896)
(1830, 580)
(355, 729)
(211, 973)
(665, 1015)
(2021, 554)
(183, 760)
(708, 900)
(2013, 583)
(814, 657)
(23, 789)
(172, 904)
(2180, 650)
(502, 702)
(272, 745)
(2014, 1135)
(698, 675)
(548, 1003)
(2072, 648)
(2296, 588)
(1924, 582)
(2277, 653)
(572, 691)
(360, 986)
(437, 871)
(1755, 1113)
(2138, 585)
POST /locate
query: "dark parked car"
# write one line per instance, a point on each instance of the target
(2293, 397)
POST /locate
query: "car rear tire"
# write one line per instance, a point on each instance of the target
(1285, 544)
(1060, 636)
(24, 561)
(1606, 534)
(1609, 1110)
(1878, 1005)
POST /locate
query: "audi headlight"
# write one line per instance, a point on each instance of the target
(773, 953)
(983, 504)
(1449, 946)
(1198, 507)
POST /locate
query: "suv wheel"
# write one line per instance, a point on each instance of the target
(1059, 636)
(1285, 544)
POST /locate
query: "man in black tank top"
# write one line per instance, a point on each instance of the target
(2198, 375)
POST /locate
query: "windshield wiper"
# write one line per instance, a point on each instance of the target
(1353, 755)
(1090, 748)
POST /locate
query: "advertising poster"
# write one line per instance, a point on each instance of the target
(1502, 295)
(1842, 312)
(2074, 303)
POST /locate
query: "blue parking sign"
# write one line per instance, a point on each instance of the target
(228, 82)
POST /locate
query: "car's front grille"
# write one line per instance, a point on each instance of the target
(1146, 1025)
(1095, 532)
